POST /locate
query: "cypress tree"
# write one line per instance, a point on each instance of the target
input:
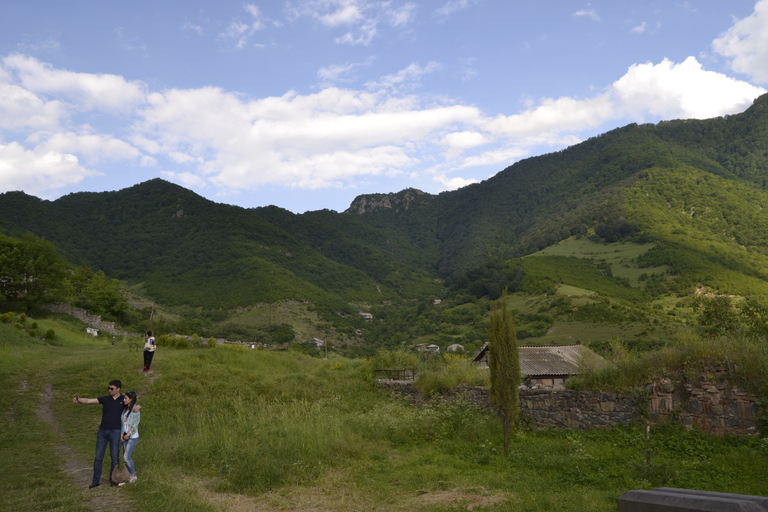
(504, 364)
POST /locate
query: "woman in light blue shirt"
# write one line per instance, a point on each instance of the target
(130, 428)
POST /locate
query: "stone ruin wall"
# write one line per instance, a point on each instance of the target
(65, 308)
(711, 407)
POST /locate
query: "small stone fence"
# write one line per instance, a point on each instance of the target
(65, 308)
(713, 407)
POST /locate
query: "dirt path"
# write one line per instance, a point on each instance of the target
(104, 498)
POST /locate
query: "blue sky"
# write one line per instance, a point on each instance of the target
(309, 103)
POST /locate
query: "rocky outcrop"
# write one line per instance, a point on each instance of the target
(399, 202)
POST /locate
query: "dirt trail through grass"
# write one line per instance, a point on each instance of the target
(105, 498)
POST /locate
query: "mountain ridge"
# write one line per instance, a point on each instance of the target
(404, 245)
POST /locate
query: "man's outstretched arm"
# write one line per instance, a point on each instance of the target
(78, 400)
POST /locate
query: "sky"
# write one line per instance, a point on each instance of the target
(306, 104)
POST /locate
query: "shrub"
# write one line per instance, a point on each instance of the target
(50, 334)
(392, 359)
(32, 333)
(6, 318)
(18, 326)
(456, 371)
(22, 318)
(211, 343)
(34, 325)
(689, 357)
(195, 340)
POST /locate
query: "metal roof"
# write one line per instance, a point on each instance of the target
(553, 359)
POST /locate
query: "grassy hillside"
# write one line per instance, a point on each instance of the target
(237, 429)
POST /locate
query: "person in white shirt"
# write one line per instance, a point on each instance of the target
(149, 350)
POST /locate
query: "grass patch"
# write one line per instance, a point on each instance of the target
(236, 429)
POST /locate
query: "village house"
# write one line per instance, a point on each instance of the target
(548, 366)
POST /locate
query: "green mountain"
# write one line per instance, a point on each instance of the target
(689, 195)
(188, 250)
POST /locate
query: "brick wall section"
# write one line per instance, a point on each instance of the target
(717, 408)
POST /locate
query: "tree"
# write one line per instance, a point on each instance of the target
(97, 293)
(31, 271)
(504, 363)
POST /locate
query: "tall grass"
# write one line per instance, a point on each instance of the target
(690, 357)
(457, 370)
(284, 431)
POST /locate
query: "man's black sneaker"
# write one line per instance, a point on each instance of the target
(94, 484)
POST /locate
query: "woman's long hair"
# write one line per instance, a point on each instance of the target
(133, 397)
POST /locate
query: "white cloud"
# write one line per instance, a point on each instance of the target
(457, 142)
(497, 157)
(111, 93)
(682, 90)
(453, 183)
(411, 74)
(746, 44)
(312, 141)
(334, 72)
(365, 16)
(209, 137)
(587, 13)
(37, 173)
(367, 33)
(400, 16)
(186, 179)
(93, 148)
(188, 25)
(240, 32)
(452, 7)
(21, 108)
(640, 29)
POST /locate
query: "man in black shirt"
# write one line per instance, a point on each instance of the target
(109, 430)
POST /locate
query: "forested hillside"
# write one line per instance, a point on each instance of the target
(689, 196)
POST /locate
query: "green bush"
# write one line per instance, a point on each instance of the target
(6, 318)
(211, 343)
(18, 326)
(32, 333)
(22, 318)
(50, 334)
(456, 371)
(689, 357)
(180, 342)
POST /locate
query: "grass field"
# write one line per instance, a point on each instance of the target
(620, 256)
(236, 429)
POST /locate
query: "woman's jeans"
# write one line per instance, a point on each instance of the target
(128, 447)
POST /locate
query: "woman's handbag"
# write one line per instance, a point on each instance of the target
(120, 475)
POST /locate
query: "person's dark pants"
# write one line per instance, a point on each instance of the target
(148, 359)
(102, 438)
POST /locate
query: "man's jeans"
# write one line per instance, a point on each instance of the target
(128, 447)
(102, 438)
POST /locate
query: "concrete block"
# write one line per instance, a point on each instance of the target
(667, 499)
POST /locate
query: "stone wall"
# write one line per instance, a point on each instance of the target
(713, 407)
(65, 308)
